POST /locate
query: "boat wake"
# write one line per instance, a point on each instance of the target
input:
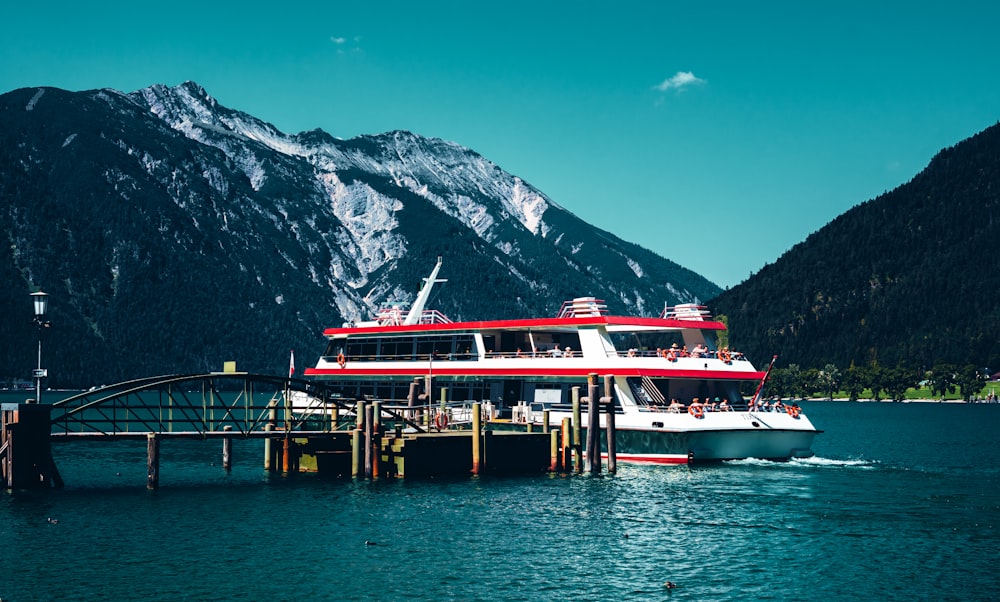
(813, 461)
(817, 461)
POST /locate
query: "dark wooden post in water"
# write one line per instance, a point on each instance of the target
(268, 462)
(368, 443)
(567, 444)
(376, 443)
(227, 449)
(152, 460)
(577, 431)
(554, 450)
(477, 440)
(593, 426)
(25, 447)
(411, 399)
(609, 411)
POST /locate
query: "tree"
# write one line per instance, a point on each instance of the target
(942, 379)
(897, 381)
(854, 382)
(828, 380)
(878, 381)
(969, 381)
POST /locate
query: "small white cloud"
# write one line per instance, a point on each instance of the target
(338, 40)
(679, 81)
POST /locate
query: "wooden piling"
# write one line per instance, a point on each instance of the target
(577, 435)
(369, 424)
(593, 426)
(477, 425)
(356, 453)
(545, 421)
(554, 450)
(268, 464)
(376, 442)
(567, 446)
(286, 454)
(227, 449)
(609, 425)
(152, 461)
(411, 399)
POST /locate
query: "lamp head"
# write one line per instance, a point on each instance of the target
(41, 303)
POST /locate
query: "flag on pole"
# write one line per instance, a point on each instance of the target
(291, 363)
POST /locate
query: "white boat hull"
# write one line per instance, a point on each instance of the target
(666, 438)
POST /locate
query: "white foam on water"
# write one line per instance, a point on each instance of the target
(817, 461)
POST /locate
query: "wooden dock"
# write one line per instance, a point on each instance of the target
(341, 438)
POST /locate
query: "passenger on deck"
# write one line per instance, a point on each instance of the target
(699, 350)
(724, 406)
(675, 406)
(684, 351)
(555, 352)
(778, 406)
(632, 352)
(569, 352)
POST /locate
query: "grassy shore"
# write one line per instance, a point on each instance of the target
(924, 393)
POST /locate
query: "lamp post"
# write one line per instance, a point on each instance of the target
(41, 301)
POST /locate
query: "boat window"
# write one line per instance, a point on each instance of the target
(403, 348)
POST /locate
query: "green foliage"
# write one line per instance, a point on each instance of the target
(906, 278)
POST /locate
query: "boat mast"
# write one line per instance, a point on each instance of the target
(413, 317)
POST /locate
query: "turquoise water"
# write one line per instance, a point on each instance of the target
(902, 501)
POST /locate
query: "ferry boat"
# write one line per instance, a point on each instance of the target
(676, 394)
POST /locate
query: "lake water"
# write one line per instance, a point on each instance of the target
(901, 502)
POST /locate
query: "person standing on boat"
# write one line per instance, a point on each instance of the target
(556, 352)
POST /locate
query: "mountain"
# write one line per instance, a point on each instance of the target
(908, 278)
(174, 234)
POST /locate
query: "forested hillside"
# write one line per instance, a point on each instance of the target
(907, 279)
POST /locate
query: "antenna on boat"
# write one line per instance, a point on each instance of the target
(413, 317)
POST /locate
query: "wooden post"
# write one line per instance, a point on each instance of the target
(227, 449)
(593, 426)
(286, 454)
(577, 426)
(609, 411)
(355, 453)
(268, 465)
(477, 425)
(545, 421)
(376, 443)
(334, 415)
(152, 461)
(567, 447)
(554, 450)
(428, 386)
(368, 424)
(411, 399)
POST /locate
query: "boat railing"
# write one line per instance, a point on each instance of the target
(583, 307)
(394, 316)
(686, 311)
(735, 356)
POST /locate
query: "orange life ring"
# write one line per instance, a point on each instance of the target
(671, 356)
(696, 411)
(793, 411)
(441, 421)
(341, 360)
(724, 356)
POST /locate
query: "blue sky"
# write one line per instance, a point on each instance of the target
(717, 134)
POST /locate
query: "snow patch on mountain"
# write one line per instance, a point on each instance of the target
(369, 219)
(636, 268)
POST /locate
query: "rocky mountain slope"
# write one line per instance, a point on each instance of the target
(174, 234)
